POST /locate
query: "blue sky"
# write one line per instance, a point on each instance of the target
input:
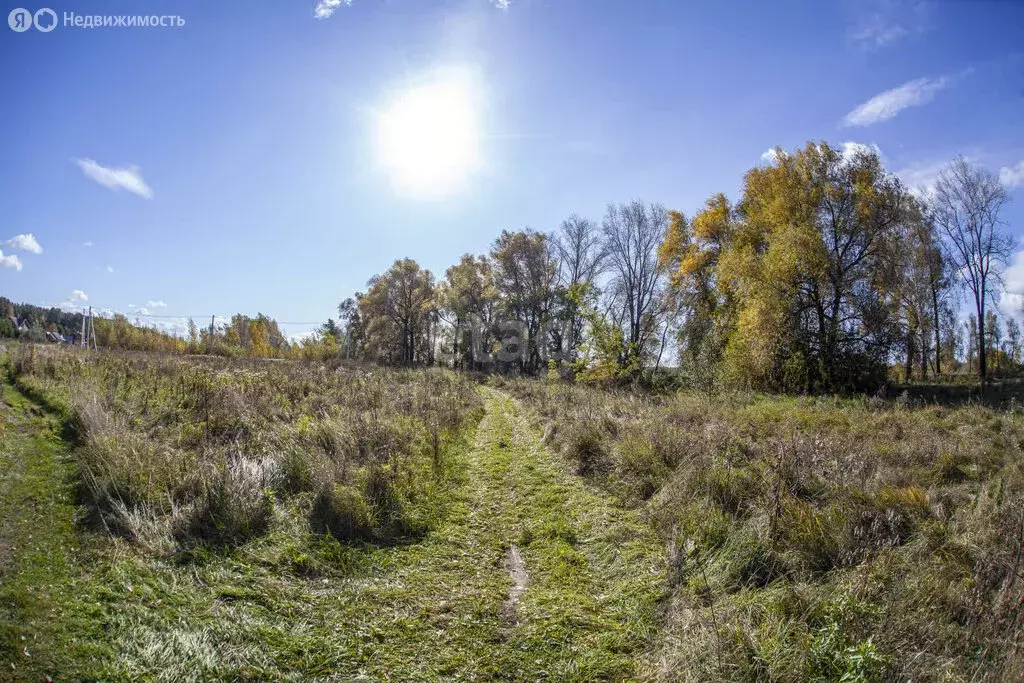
(229, 165)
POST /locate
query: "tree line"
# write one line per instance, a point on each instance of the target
(826, 274)
(243, 335)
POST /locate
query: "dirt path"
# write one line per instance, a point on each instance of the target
(533, 575)
(584, 574)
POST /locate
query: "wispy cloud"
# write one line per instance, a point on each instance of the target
(87, 244)
(126, 178)
(25, 242)
(11, 261)
(325, 8)
(110, 269)
(878, 33)
(888, 104)
(877, 24)
(920, 178)
(156, 304)
(1012, 176)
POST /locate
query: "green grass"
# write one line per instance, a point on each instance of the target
(293, 604)
(50, 610)
(815, 538)
(227, 520)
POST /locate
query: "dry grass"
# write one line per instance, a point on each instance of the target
(816, 538)
(175, 452)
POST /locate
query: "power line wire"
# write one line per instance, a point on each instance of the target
(203, 316)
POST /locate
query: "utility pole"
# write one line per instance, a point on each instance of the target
(82, 342)
(211, 334)
(92, 329)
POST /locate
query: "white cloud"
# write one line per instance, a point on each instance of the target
(75, 302)
(110, 269)
(88, 244)
(1012, 176)
(177, 327)
(156, 304)
(25, 242)
(888, 104)
(1011, 299)
(127, 178)
(850, 149)
(921, 178)
(877, 33)
(880, 23)
(11, 261)
(300, 337)
(325, 8)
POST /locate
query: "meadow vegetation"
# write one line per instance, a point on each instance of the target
(815, 538)
(173, 452)
(686, 535)
(671, 524)
(258, 520)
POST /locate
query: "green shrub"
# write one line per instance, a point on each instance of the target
(342, 512)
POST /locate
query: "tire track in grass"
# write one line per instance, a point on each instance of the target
(595, 577)
(596, 571)
(431, 610)
(44, 628)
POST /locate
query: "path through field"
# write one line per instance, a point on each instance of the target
(534, 575)
(40, 553)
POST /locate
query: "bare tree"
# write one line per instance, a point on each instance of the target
(581, 259)
(924, 288)
(1013, 340)
(966, 206)
(632, 234)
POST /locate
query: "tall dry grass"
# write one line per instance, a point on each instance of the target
(178, 451)
(815, 538)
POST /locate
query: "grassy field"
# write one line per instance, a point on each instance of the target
(303, 523)
(195, 519)
(815, 538)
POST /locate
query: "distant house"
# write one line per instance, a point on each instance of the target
(54, 337)
(20, 324)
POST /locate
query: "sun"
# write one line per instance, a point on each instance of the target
(427, 138)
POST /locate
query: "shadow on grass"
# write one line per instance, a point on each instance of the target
(1000, 393)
